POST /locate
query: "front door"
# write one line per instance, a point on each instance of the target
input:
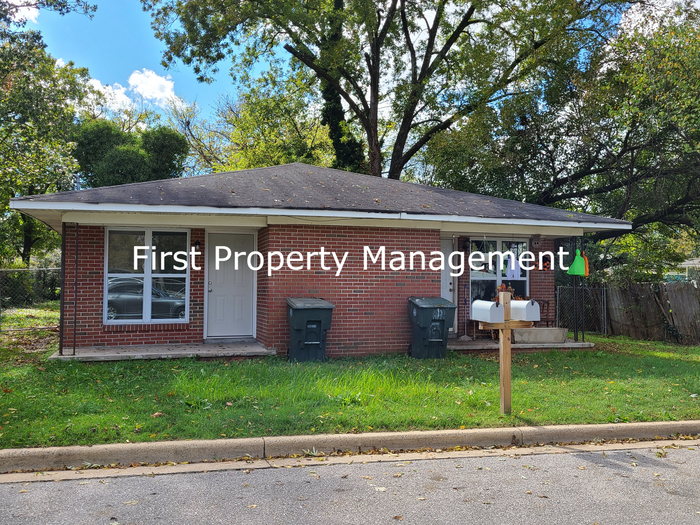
(446, 281)
(230, 291)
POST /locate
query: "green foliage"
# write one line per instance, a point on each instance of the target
(405, 70)
(37, 108)
(273, 121)
(109, 156)
(616, 133)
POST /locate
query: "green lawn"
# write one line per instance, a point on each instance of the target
(57, 403)
(41, 315)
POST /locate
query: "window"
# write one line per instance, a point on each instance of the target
(158, 274)
(485, 282)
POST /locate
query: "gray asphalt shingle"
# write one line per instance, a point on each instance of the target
(304, 187)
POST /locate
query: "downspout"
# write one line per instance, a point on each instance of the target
(75, 288)
(63, 288)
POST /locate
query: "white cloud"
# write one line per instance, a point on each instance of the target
(152, 87)
(145, 88)
(115, 96)
(20, 14)
(60, 62)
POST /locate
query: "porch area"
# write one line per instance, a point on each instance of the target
(166, 351)
(481, 345)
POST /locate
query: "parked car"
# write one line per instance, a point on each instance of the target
(125, 301)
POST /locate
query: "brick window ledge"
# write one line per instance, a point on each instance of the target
(159, 327)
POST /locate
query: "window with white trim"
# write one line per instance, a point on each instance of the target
(484, 283)
(162, 278)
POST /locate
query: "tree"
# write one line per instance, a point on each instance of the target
(274, 120)
(406, 70)
(37, 108)
(11, 11)
(108, 156)
(616, 133)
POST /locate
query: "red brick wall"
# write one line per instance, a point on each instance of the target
(370, 313)
(90, 331)
(541, 284)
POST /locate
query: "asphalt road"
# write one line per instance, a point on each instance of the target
(616, 487)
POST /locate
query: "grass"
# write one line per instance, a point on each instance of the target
(40, 315)
(62, 403)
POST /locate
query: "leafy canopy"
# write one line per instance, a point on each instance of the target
(405, 70)
(615, 133)
(108, 156)
(274, 120)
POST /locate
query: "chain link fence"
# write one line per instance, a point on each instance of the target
(591, 308)
(29, 298)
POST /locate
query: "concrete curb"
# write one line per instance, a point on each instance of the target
(201, 450)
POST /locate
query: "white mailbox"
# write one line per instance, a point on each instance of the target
(487, 311)
(525, 310)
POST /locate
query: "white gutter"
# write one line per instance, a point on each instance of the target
(196, 210)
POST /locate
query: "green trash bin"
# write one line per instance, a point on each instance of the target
(432, 318)
(309, 320)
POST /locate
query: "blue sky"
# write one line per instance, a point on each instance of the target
(117, 42)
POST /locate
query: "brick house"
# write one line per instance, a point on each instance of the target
(278, 210)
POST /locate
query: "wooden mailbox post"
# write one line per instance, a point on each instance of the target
(504, 342)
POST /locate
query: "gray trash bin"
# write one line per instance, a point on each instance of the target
(309, 319)
(432, 318)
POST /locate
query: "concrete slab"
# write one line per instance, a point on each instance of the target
(119, 353)
(480, 345)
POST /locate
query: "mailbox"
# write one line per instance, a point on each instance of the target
(488, 311)
(525, 310)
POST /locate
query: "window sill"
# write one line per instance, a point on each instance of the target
(173, 326)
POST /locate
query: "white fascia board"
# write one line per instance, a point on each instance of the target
(517, 222)
(188, 210)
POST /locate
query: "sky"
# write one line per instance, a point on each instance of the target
(118, 47)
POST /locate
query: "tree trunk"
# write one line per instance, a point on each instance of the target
(375, 156)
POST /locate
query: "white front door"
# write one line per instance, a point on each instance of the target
(230, 291)
(447, 281)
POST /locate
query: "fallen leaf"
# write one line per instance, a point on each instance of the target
(131, 502)
(84, 483)
(229, 404)
(582, 468)
(398, 518)
(421, 499)
(366, 477)
(252, 506)
(397, 475)
(528, 492)
(542, 496)
(380, 489)
(22, 491)
(157, 414)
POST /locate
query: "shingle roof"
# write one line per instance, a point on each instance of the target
(304, 187)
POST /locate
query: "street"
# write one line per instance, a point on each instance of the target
(645, 484)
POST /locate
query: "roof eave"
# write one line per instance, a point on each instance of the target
(52, 214)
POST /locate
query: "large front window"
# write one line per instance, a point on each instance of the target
(156, 290)
(485, 282)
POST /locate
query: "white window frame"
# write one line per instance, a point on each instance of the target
(147, 278)
(500, 242)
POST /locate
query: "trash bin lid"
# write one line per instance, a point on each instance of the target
(307, 303)
(431, 302)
